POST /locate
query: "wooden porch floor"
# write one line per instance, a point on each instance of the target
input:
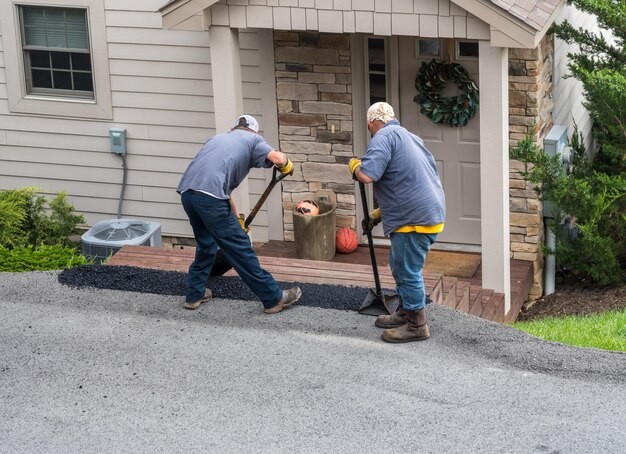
(355, 269)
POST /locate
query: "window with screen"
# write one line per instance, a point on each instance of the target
(57, 57)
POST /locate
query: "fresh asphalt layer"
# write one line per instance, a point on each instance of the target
(101, 370)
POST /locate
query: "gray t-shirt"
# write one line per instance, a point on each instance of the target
(406, 182)
(224, 161)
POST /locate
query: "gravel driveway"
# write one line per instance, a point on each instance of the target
(100, 370)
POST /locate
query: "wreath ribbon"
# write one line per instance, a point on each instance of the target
(430, 82)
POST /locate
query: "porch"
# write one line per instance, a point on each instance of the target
(452, 279)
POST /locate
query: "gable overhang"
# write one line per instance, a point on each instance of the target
(178, 11)
(506, 29)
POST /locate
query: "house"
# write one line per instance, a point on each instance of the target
(174, 74)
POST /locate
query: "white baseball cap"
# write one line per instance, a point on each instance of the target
(247, 121)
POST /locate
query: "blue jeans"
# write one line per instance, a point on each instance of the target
(214, 224)
(406, 259)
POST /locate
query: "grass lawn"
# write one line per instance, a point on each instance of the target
(606, 331)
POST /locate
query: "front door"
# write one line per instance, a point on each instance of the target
(391, 65)
(456, 150)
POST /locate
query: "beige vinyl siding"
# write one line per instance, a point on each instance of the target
(568, 93)
(4, 107)
(162, 94)
(4, 101)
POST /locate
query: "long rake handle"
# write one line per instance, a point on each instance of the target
(370, 241)
(275, 179)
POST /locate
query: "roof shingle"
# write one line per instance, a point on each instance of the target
(535, 13)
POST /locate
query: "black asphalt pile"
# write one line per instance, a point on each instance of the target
(142, 280)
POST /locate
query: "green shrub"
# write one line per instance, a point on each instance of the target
(594, 204)
(594, 194)
(43, 257)
(25, 219)
(12, 221)
(35, 233)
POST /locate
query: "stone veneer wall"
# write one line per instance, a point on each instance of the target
(530, 112)
(314, 91)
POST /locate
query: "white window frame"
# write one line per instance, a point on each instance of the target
(418, 55)
(457, 50)
(71, 71)
(20, 101)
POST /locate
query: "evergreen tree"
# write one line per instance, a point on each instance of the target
(600, 64)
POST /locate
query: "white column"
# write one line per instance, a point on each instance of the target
(227, 91)
(494, 169)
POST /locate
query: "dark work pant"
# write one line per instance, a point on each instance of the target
(214, 224)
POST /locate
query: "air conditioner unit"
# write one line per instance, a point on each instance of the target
(109, 236)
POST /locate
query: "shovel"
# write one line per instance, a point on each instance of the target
(379, 301)
(221, 264)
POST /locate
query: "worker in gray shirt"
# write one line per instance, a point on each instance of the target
(412, 208)
(206, 194)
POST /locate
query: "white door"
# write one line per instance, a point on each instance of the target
(456, 150)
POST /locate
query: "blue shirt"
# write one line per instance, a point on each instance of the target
(406, 182)
(224, 161)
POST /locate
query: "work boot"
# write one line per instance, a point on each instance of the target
(415, 329)
(193, 305)
(290, 296)
(391, 321)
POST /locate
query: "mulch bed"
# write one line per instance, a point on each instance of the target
(576, 297)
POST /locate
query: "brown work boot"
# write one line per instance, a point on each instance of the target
(391, 321)
(415, 329)
(193, 305)
(290, 296)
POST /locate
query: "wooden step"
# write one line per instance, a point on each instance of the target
(463, 296)
(486, 298)
(476, 306)
(496, 307)
(449, 292)
(436, 294)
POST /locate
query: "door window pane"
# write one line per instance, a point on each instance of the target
(428, 48)
(468, 49)
(377, 67)
(376, 53)
(378, 88)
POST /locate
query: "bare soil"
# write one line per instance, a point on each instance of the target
(575, 297)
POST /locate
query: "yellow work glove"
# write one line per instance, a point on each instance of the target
(242, 223)
(286, 168)
(354, 164)
(373, 220)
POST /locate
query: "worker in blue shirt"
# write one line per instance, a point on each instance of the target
(206, 194)
(411, 205)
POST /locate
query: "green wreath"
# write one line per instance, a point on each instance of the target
(453, 110)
